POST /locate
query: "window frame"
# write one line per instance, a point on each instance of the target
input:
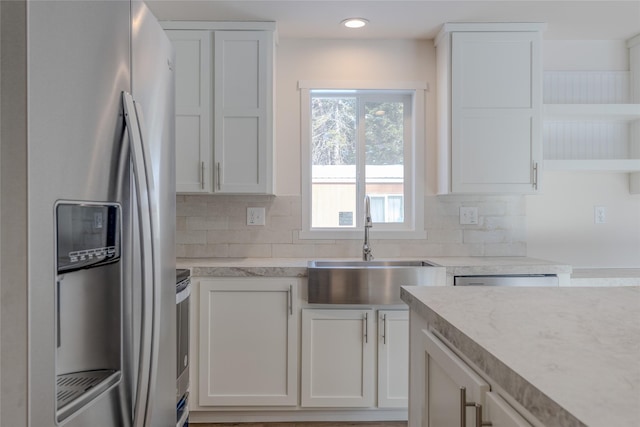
(413, 227)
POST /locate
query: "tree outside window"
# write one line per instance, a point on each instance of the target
(359, 145)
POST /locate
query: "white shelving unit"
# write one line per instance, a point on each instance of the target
(590, 123)
(616, 112)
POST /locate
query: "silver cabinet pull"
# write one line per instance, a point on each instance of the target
(463, 410)
(202, 175)
(384, 329)
(535, 176)
(290, 300)
(479, 422)
(218, 174)
(463, 407)
(366, 327)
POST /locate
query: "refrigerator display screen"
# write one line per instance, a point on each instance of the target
(88, 235)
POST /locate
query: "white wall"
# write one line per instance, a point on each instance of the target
(560, 220)
(344, 60)
(585, 55)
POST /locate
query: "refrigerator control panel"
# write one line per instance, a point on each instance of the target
(87, 235)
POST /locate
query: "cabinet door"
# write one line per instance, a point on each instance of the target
(496, 109)
(248, 342)
(393, 359)
(243, 111)
(446, 375)
(193, 110)
(337, 358)
(501, 414)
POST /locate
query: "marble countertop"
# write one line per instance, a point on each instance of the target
(297, 267)
(571, 356)
(605, 276)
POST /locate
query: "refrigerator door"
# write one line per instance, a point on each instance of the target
(77, 65)
(153, 92)
(79, 61)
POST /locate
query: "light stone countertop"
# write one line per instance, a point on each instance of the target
(297, 267)
(605, 277)
(571, 356)
(245, 267)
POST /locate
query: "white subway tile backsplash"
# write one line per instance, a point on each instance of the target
(250, 251)
(204, 251)
(484, 236)
(191, 238)
(181, 223)
(215, 226)
(300, 250)
(505, 249)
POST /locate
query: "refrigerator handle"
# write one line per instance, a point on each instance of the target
(149, 334)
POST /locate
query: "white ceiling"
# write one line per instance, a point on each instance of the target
(414, 19)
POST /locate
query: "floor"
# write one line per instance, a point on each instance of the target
(317, 424)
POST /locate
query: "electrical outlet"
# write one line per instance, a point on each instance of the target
(468, 215)
(255, 216)
(599, 214)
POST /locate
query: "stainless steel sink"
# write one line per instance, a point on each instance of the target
(366, 282)
(368, 264)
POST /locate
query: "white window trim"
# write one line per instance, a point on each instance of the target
(417, 230)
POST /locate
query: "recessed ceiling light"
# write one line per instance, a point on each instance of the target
(355, 22)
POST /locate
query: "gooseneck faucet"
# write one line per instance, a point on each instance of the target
(367, 255)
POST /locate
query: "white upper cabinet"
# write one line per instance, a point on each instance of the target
(193, 110)
(489, 107)
(393, 358)
(243, 119)
(224, 106)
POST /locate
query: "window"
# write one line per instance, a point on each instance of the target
(359, 142)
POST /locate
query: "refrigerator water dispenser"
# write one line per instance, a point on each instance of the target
(88, 303)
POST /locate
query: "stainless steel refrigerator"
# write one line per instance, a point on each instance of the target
(87, 216)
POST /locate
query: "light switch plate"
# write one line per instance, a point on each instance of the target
(468, 215)
(255, 216)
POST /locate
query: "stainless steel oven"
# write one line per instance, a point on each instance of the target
(183, 293)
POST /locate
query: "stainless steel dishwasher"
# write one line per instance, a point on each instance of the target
(507, 280)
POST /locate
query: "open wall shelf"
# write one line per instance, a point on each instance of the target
(590, 123)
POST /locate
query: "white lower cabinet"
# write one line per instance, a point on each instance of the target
(393, 358)
(248, 342)
(455, 395)
(339, 358)
(501, 413)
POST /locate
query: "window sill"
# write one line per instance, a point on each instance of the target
(358, 234)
